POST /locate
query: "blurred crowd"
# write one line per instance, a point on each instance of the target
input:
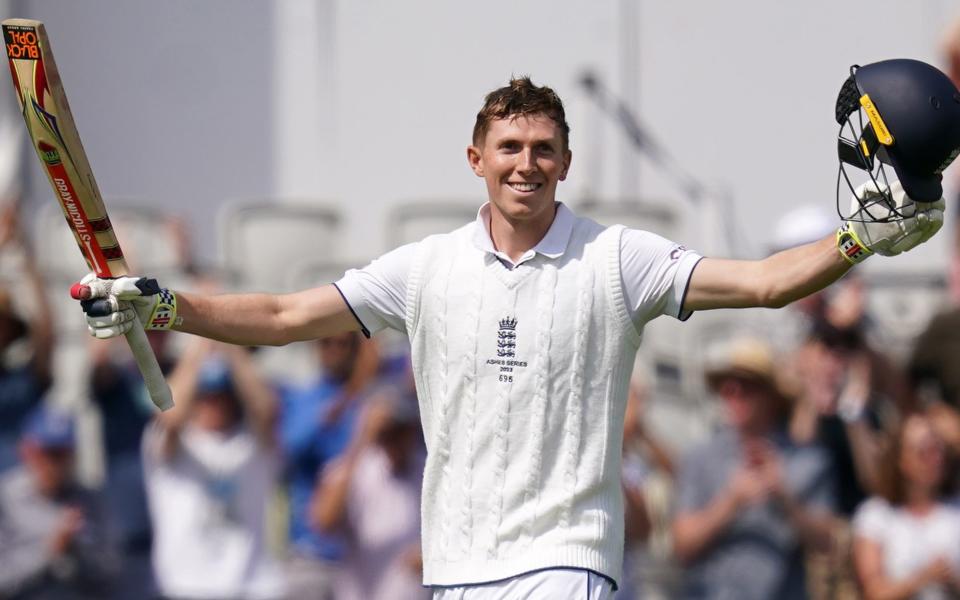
(831, 470)
(249, 488)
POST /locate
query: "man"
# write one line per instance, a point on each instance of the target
(54, 538)
(523, 325)
(316, 424)
(210, 467)
(749, 500)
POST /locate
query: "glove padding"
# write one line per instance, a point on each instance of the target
(112, 306)
(921, 220)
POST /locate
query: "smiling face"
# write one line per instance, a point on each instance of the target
(521, 158)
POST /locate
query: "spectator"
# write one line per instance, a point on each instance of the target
(907, 538)
(54, 541)
(934, 365)
(850, 400)
(118, 394)
(210, 465)
(23, 378)
(749, 502)
(317, 422)
(372, 492)
(648, 471)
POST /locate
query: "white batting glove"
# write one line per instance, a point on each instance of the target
(862, 235)
(112, 306)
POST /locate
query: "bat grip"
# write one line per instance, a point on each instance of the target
(149, 368)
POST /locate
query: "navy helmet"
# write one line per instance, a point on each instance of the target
(903, 113)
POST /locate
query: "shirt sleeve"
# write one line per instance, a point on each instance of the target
(655, 274)
(871, 520)
(377, 293)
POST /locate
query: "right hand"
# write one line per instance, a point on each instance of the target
(113, 305)
(938, 571)
(759, 477)
(880, 229)
(747, 488)
(71, 523)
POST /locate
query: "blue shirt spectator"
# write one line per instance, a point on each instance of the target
(54, 534)
(21, 390)
(314, 430)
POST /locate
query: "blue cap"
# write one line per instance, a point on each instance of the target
(215, 377)
(50, 428)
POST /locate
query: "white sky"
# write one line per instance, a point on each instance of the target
(182, 104)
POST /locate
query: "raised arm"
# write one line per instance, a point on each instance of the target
(243, 319)
(772, 282)
(888, 227)
(328, 507)
(257, 396)
(378, 292)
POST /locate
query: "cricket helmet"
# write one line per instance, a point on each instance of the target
(900, 113)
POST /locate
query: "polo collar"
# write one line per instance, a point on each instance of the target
(553, 244)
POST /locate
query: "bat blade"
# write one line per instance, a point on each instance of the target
(55, 138)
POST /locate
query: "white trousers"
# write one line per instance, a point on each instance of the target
(551, 584)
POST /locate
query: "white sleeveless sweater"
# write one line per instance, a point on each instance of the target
(522, 377)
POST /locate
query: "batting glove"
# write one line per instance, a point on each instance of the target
(112, 306)
(878, 229)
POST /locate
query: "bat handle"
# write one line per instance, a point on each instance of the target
(149, 368)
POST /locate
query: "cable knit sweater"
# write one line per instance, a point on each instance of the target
(522, 376)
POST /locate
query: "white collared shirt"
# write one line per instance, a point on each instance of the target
(377, 293)
(552, 245)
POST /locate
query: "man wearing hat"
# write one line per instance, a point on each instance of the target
(748, 501)
(53, 534)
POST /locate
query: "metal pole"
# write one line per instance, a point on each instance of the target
(630, 93)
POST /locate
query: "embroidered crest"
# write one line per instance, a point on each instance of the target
(506, 360)
(507, 338)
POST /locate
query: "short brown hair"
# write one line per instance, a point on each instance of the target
(521, 98)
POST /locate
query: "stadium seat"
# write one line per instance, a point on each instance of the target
(413, 221)
(261, 243)
(150, 240)
(656, 218)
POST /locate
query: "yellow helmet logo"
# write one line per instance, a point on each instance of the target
(879, 127)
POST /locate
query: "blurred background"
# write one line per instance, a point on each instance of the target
(248, 145)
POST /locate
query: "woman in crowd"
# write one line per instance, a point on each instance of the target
(907, 538)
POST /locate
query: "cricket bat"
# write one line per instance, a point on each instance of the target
(54, 135)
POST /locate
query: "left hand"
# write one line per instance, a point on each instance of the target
(921, 220)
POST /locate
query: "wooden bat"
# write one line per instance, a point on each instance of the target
(46, 112)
